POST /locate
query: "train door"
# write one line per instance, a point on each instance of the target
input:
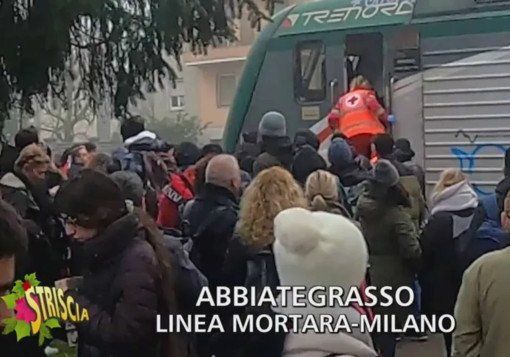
(301, 77)
(318, 77)
(364, 56)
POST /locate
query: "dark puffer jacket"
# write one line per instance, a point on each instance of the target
(121, 291)
(440, 278)
(46, 245)
(212, 218)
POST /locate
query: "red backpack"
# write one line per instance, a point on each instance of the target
(172, 199)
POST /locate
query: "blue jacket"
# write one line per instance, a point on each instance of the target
(491, 226)
(489, 236)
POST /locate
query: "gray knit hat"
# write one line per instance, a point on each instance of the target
(272, 124)
(386, 174)
(131, 186)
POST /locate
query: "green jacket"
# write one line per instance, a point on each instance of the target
(418, 208)
(393, 246)
(482, 313)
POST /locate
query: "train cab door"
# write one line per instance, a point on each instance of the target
(364, 56)
(319, 79)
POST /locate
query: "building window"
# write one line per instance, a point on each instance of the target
(225, 89)
(310, 72)
(177, 102)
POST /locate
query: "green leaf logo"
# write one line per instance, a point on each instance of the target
(22, 329)
(15, 300)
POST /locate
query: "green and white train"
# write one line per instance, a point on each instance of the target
(442, 67)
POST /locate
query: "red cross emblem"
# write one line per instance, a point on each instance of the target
(353, 100)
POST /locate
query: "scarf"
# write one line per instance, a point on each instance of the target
(454, 198)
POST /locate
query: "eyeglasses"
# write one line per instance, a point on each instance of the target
(66, 219)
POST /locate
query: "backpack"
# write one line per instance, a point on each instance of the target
(261, 272)
(189, 279)
(485, 234)
(199, 238)
(177, 201)
(133, 161)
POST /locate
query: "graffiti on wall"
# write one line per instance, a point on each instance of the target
(467, 160)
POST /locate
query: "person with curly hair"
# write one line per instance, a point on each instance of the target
(272, 191)
(250, 261)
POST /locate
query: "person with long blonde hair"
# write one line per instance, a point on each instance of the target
(272, 191)
(453, 206)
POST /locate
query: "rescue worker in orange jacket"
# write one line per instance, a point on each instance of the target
(359, 116)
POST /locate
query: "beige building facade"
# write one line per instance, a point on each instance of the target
(211, 80)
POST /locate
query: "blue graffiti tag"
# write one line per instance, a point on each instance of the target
(467, 161)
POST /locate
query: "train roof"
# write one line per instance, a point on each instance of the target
(331, 15)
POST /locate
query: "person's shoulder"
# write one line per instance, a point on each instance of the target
(398, 214)
(140, 252)
(228, 213)
(491, 260)
(440, 217)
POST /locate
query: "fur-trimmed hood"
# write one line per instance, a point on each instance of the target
(12, 181)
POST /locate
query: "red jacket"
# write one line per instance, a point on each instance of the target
(178, 191)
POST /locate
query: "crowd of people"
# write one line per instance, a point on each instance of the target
(147, 226)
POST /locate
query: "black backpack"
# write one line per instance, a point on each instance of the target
(189, 279)
(261, 272)
(200, 237)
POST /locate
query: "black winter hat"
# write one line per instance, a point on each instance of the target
(306, 137)
(306, 161)
(187, 154)
(403, 151)
(386, 174)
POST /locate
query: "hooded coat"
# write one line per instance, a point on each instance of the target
(212, 218)
(411, 183)
(344, 165)
(306, 161)
(394, 250)
(121, 291)
(452, 213)
(404, 154)
(45, 243)
(274, 149)
(144, 141)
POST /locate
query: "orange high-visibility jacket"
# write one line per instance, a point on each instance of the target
(359, 112)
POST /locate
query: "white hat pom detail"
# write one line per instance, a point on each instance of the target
(318, 248)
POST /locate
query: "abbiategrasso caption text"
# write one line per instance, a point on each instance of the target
(300, 310)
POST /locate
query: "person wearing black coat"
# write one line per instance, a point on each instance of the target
(25, 190)
(454, 207)
(212, 215)
(276, 148)
(272, 191)
(13, 246)
(127, 278)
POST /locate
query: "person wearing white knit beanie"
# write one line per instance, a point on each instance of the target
(321, 249)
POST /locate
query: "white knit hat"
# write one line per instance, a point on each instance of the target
(318, 248)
